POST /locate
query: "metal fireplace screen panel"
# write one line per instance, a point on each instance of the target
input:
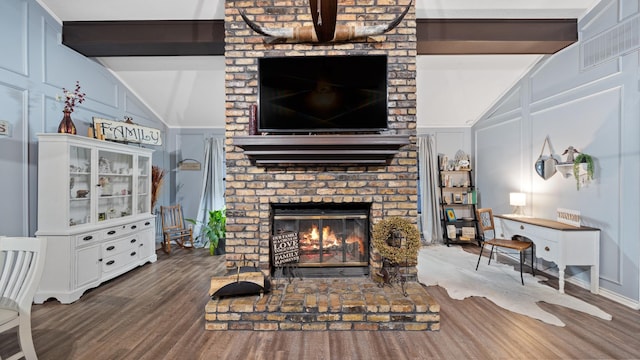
(328, 240)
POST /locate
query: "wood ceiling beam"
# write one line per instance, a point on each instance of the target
(206, 37)
(494, 36)
(144, 37)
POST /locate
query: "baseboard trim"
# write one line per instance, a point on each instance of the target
(620, 299)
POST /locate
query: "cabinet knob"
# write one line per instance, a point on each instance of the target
(111, 248)
(133, 227)
(546, 248)
(521, 227)
(111, 262)
(133, 253)
(87, 238)
(111, 232)
(133, 241)
(147, 223)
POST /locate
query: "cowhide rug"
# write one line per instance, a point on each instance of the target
(454, 269)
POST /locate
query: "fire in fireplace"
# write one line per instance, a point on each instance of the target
(334, 240)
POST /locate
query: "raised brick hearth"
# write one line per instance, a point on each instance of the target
(328, 304)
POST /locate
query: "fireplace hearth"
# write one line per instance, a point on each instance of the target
(334, 239)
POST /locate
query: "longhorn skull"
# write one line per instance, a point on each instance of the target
(324, 29)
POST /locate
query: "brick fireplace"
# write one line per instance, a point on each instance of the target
(254, 190)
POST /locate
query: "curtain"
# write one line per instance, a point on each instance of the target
(212, 194)
(428, 186)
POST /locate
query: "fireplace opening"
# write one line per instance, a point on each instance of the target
(333, 238)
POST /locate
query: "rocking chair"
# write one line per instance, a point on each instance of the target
(174, 229)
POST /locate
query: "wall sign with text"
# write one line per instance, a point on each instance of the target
(4, 127)
(124, 132)
(285, 248)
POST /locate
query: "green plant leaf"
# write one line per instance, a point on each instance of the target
(580, 159)
(215, 227)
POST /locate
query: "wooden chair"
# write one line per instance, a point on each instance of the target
(174, 229)
(22, 261)
(487, 230)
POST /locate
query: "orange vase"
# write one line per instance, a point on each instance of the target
(66, 124)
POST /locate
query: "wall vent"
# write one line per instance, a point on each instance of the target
(619, 40)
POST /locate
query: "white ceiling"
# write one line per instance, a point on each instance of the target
(188, 91)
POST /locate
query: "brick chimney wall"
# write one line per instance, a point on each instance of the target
(250, 189)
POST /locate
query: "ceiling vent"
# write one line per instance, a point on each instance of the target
(619, 40)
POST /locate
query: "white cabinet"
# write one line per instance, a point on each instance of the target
(94, 207)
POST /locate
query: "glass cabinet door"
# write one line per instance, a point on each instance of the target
(115, 184)
(144, 193)
(79, 185)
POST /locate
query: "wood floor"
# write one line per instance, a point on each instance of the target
(157, 312)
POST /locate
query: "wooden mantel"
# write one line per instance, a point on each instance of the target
(370, 149)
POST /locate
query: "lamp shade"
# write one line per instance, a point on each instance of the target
(517, 199)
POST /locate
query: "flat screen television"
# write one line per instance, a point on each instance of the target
(322, 94)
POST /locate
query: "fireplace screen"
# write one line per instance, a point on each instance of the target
(328, 239)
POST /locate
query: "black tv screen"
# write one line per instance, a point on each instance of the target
(322, 94)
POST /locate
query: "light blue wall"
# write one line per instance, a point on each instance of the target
(189, 144)
(34, 67)
(596, 110)
(448, 141)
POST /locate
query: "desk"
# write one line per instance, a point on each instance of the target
(557, 242)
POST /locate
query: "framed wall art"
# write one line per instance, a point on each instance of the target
(451, 215)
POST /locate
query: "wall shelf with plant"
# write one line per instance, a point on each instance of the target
(583, 169)
(579, 165)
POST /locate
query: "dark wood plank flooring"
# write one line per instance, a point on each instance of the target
(157, 312)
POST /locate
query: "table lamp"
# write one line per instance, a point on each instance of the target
(518, 201)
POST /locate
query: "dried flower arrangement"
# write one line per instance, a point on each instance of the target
(71, 98)
(157, 176)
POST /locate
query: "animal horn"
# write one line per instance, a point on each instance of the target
(300, 34)
(282, 33)
(307, 33)
(352, 32)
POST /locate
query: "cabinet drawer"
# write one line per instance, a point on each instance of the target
(120, 260)
(120, 230)
(120, 245)
(507, 229)
(547, 249)
(145, 224)
(88, 238)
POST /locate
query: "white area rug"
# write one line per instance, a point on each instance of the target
(454, 269)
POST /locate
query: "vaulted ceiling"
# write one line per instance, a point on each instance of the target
(188, 91)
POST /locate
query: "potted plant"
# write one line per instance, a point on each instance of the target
(214, 230)
(582, 158)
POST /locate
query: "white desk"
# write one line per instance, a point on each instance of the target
(554, 241)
